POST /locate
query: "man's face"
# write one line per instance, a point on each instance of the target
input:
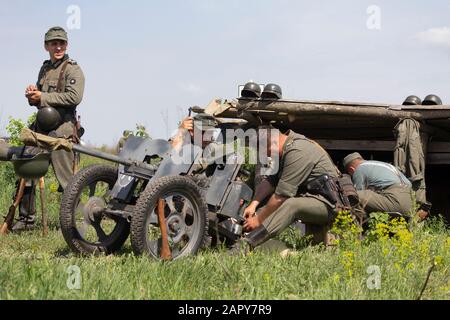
(56, 49)
(351, 168)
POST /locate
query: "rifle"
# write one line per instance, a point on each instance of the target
(165, 248)
(9, 219)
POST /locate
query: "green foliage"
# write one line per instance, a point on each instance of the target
(15, 126)
(345, 228)
(40, 265)
(382, 226)
(141, 131)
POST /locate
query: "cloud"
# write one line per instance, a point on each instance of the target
(435, 36)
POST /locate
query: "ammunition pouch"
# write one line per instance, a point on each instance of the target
(338, 191)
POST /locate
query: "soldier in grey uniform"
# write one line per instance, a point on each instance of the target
(381, 186)
(302, 161)
(60, 85)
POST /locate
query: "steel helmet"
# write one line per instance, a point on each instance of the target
(412, 101)
(48, 119)
(32, 168)
(272, 91)
(432, 100)
(251, 90)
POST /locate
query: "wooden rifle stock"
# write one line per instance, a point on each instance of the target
(165, 249)
(9, 219)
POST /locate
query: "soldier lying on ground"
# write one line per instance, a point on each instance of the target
(381, 186)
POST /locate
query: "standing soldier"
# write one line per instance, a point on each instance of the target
(57, 93)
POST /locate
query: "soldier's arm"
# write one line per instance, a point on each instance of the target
(296, 169)
(74, 89)
(358, 180)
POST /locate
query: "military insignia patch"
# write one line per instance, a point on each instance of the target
(73, 81)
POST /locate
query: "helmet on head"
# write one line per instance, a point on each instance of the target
(56, 33)
(432, 100)
(32, 168)
(48, 119)
(205, 121)
(412, 101)
(251, 90)
(272, 91)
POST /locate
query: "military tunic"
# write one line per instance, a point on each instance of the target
(302, 161)
(382, 188)
(64, 99)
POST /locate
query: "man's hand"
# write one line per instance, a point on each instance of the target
(250, 210)
(187, 123)
(30, 88)
(252, 223)
(34, 97)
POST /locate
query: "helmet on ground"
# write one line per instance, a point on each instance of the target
(412, 101)
(48, 119)
(32, 168)
(272, 91)
(432, 100)
(251, 90)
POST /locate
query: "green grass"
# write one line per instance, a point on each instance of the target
(34, 267)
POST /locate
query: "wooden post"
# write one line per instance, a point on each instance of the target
(43, 208)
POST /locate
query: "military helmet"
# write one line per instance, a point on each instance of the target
(56, 33)
(412, 101)
(432, 100)
(32, 168)
(272, 91)
(48, 119)
(205, 121)
(251, 90)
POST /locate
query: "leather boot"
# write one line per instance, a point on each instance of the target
(251, 241)
(27, 210)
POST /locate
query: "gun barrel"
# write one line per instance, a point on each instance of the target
(102, 155)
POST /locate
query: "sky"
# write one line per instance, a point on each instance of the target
(147, 62)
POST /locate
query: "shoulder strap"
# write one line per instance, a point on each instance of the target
(327, 154)
(302, 137)
(60, 86)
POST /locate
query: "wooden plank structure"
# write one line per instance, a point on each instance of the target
(341, 127)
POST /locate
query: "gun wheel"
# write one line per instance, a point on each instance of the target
(85, 226)
(186, 218)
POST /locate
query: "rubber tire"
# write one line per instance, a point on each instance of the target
(148, 200)
(73, 238)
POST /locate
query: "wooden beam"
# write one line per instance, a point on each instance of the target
(369, 145)
(374, 145)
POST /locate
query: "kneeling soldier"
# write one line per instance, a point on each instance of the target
(381, 186)
(301, 161)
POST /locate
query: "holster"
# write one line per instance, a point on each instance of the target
(338, 191)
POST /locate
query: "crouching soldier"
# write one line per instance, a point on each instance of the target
(381, 186)
(301, 161)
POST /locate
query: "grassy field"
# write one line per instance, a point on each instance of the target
(34, 267)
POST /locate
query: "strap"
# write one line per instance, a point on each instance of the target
(61, 85)
(328, 155)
